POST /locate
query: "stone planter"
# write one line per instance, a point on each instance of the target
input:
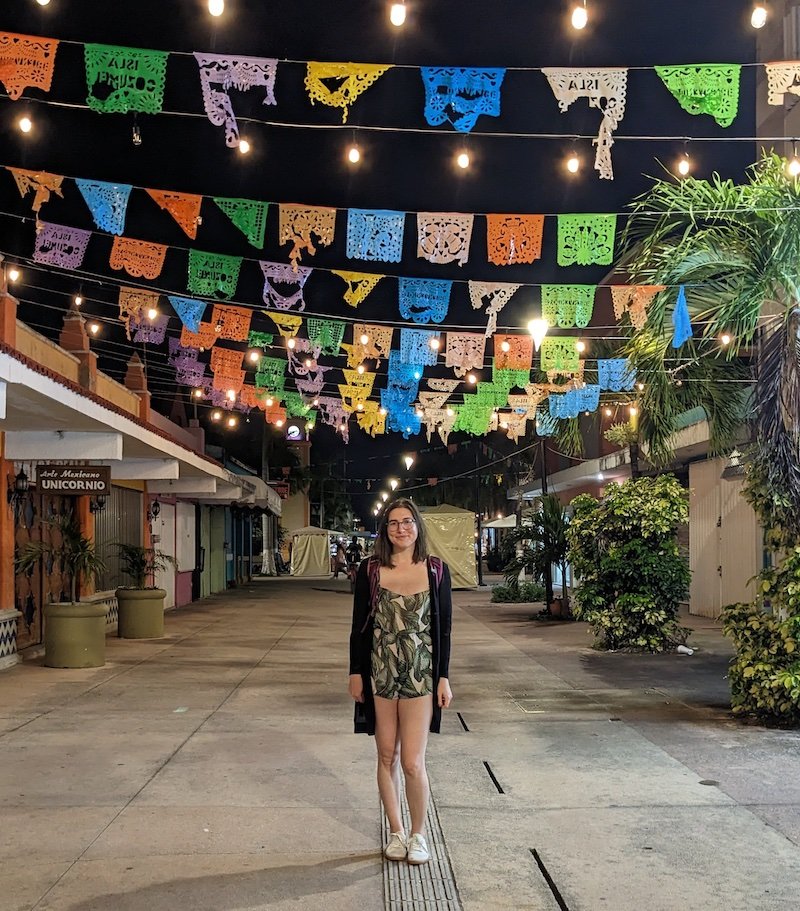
(141, 613)
(74, 635)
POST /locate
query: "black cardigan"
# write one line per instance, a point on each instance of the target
(361, 635)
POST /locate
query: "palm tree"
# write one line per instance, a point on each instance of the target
(736, 250)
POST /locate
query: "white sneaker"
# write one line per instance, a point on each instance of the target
(396, 848)
(418, 852)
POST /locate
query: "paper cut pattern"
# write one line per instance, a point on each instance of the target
(139, 258)
(122, 79)
(424, 299)
(519, 355)
(325, 334)
(249, 216)
(183, 207)
(586, 240)
(219, 73)
(108, 203)
(150, 331)
(559, 355)
(231, 322)
(566, 306)
(189, 311)
(634, 300)
(705, 88)
(465, 351)
(26, 61)
(359, 285)
(443, 237)
(213, 274)
(288, 324)
(42, 183)
(782, 79)
(59, 245)
(492, 295)
(461, 95)
(353, 79)
(284, 274)
(415, 346)
(204, 338)
(134, 303)
(615, 374)
(377, 347)
(604, 89)
(514, 239)
(297, 225)
(261, 340)
(372, 420)
(375, 234)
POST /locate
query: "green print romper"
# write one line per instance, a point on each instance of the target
(402, 652)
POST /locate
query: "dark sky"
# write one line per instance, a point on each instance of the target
(406, 171)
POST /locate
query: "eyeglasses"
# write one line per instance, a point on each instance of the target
(397, 524)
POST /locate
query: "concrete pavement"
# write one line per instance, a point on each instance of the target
(215, 770)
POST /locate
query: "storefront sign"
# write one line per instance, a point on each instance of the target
(74, 479)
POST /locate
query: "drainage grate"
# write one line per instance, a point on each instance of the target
(427, 887)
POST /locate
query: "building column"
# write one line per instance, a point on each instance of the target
(8, 612)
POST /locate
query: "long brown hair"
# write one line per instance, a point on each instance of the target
(383, 546)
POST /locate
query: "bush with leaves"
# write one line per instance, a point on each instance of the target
(632, 573)
(519, 593)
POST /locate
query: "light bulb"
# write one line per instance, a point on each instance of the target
(78, 300)
(290, 343)
(364, 339)
(216, 415)
(216, 7)
(633, 410)
(360, 369)
(198, 393)
(353, 155)
(725, 339)
(435, 344)
(25, 124)
(254, 357)
(505, 346)
(270, 402)
(397, 14)
(360, 406)
(573, 164)
(244, 146)
(13, 274)
(640, 387)
(538, 329)
(580, 347)
(316, 402)
(462, 160)
(382, 413)
(472, 379)
(409, 461)
(309, 426)
(608, 412)
(580, 17)
(232, 422)
(384, 496)
(393, 483)
(758, 18)
(152, 313)
(94, 328)
(42, 2)
(309, 363)
(684, 165)
(279, 422)
(343, 426)
(419, 412)
(793, 167)
(231, 395)
(450, 412)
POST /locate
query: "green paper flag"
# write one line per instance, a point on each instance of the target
(259, 339)
(326, 334)
(506, 378)
(122, 79)
(566, 306)
(559, 355)
(271, 374)
(295, 405)
(249, 216)
(705, 88)
(213, 274)
(474, 416)
(586, 240)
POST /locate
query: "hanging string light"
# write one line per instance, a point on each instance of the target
(538, 329)
(758, 18)
(397, 14)
(462, 160)
(25, 124)
(573, 162)
(684, 162)
(14, 274)
(580, 16)
(94, 328)
(216, 7)
(232, 422)
(725, 339)
(353, 154)
(152, 314)
(244, 147)
(78, 300)
(793, 166)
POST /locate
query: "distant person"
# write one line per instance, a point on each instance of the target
(339, 560)
(399, 665)
(354, 553)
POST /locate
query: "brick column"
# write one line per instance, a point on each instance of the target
(136, 381)
(8, 318)
(75, 339)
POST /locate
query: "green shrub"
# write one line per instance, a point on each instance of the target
(523, 592)
(632, 573)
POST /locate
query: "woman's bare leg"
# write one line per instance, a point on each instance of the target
(387, 741)
(415, 720)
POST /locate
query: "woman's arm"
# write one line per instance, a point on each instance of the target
(361, 608)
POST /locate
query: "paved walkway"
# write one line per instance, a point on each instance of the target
(214, 770)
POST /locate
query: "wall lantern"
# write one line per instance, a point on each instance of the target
(97, 504)
(153, 510)
(17, 489)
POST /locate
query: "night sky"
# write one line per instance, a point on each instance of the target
(399, 170)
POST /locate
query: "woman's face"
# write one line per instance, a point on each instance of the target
(401, 528)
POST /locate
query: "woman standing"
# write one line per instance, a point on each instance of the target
(399, 660)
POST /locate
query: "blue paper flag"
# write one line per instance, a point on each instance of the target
(461, 94)
(681, 321)
(189, 310)
(108, 203)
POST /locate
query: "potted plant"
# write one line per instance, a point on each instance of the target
(74, 631)
(141, 604)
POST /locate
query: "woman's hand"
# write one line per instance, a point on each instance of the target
(356, 687)
(444, 695)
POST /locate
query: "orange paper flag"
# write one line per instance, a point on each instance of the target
(183, 207)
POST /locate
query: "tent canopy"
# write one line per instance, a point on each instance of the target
(312, 530)
(451, 536)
